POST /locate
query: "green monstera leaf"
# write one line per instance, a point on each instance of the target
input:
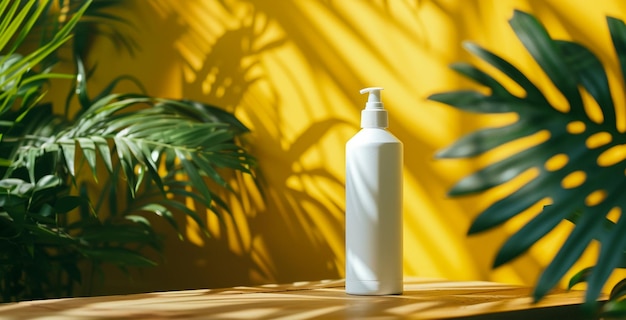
(588, 146)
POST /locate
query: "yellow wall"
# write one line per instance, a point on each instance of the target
(291, 70)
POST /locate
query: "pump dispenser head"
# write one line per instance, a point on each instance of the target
(374, 115)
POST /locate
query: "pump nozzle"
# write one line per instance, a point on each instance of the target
(374, 96)
(374, 115)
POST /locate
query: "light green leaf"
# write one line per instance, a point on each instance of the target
(88, 148)
(47, 181)
(69, 154)
(105, 153)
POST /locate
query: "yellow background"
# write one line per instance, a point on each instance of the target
(292, 70)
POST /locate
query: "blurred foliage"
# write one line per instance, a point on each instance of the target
(574, 70)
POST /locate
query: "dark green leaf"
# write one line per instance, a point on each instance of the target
(580, 277)
(69, 153)
(535, 229)
(591, 75)
(81, 83)
(573, 248)
(619, 290)
(481, 141)
(474, 101)
(481, 77)
(547, 54)
(128, 167)
(161, 211)
(617, 29)
(571, 68)
(608, 260)
(119, 256)
(143, 155)
(105, 153)
(88, 148)
(68, 203)
(206, 167)
(194, 175)
(46, 182)
(532, 92)
(500, 172)
(614, 309)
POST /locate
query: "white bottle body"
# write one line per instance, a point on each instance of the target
(374, 161)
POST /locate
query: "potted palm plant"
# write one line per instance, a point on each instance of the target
(147, 155)
(587, 145)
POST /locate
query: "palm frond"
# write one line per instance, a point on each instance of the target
(17, 78)
(142, 135)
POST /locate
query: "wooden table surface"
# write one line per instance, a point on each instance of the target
(422, 299)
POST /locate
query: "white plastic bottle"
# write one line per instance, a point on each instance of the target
(374, 160)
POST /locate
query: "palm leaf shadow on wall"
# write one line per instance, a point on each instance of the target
(580, 165)
(231, 64)
(275, 241)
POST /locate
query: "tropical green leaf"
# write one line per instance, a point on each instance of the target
(474, 101)
(16, 187)
(607, 227)
(105, 153)
(585, 152)
(128, 166)
(142, 155)
(206, 167)
(12, 22)
(580, 238)
(547, 54)
(119, 256)
(607, 261)
(619, 290)
(161, 211)
(534, 230)
(590, 74)
(81, 84)
(193, 174)
(580, 277)
(68, 203)
(533, 94)
(69, 154)
(120, 233)
(614, 309)
(88, 148)
(617, 29)
(466, 69)
(177, 205)
(43, 234)
(139, 220)
(46, 182)
(481, 141)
